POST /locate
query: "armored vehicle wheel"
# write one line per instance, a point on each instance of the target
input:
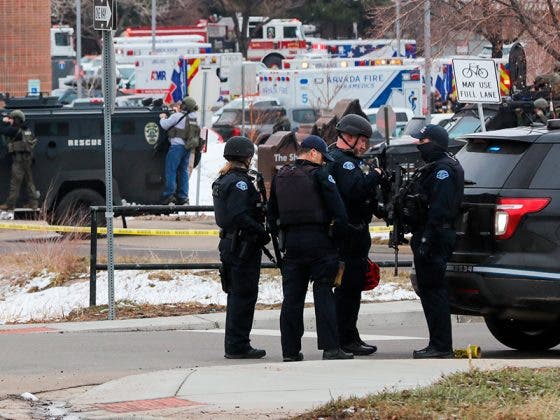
(73, 209)
(524, 335)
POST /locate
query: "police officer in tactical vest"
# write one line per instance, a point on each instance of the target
(242, 235)
(305, 204)
(432, 203)
(20, 142)
(357, 184)
(184, 137)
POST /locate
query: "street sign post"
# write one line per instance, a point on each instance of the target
(386, 121)
(477, 82)
(205, 90)
(104, 15)
(104, 20)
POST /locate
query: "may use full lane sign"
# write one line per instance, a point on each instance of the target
(104, 15)
(476, 81)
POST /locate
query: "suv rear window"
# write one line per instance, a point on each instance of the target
(545, 177)
(305, 116)
(488, 163)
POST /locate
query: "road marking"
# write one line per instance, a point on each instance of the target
(313, 334)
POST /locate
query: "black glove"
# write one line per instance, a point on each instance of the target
(424, 249)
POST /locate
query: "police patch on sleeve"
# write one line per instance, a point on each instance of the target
(331, 179)
(442, 174)
(348, 166)
(241, 185)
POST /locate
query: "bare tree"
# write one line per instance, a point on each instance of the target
(452, 20)
(129, 13)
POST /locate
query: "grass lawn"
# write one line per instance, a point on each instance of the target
(512, 393)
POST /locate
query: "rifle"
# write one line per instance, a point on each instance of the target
(277, 258)
(388, 198)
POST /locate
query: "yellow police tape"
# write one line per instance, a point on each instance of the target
(137, 232)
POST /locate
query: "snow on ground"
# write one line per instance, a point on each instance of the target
(21, 304)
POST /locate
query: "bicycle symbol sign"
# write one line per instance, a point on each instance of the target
(476, 80)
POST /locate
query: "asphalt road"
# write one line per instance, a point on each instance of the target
(42, 362)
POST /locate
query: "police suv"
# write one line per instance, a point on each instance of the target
(69, 167)
(506, 263)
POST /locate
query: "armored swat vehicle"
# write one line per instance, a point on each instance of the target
(69, 167)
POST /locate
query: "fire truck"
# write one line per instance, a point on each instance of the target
(275, 40)
(399, 86)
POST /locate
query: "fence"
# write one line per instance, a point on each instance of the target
(124, 211)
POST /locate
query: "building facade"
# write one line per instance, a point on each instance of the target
(25, 51)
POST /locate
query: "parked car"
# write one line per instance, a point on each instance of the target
(403, 116)
(505, 266)
(258, 120)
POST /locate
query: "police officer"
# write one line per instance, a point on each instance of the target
(184, 137)
(440, 183)
(306, 206)
(20, 146)
(357, 185)
(242, 234)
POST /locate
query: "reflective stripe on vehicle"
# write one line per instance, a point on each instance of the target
(505, 271)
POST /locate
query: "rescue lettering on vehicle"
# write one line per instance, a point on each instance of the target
(84, 142)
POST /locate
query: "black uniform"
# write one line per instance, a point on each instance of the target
(305, 203)
(441, 185)
(358, 193)
(242, 235)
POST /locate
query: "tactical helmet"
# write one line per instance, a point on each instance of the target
(239, 147)
(18, 114)
(541, 103)
(354, 125)
(189, 104)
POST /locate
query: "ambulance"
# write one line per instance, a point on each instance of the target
(367, 48)
(399, 86)
(128, 53)
(154, 73)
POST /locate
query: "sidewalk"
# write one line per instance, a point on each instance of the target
(273, 390)
(251, 390)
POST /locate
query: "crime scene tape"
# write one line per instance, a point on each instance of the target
(116, 231)
(137, 232)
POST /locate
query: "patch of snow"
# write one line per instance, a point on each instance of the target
(136, 286)
(29, 396)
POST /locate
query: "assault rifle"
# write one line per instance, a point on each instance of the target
(277, 257)
(388, 197)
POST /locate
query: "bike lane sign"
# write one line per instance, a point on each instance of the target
(476, 81)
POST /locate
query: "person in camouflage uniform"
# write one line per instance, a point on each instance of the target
(20, 147)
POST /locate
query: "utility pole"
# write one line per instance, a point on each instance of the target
(79, 47)
(154, 26)
(398, 26)
(427, 60)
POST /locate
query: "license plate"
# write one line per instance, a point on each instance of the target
(460, 268)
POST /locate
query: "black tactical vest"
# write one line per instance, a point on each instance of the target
(233, 194)
(299, 201)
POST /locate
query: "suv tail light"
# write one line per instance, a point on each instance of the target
(510, 211)
(235, 132)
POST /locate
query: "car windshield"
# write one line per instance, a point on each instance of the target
(229, 117)
(304, 116)
(126, 72)
(488, 163)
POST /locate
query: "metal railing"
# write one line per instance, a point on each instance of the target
(124, 211)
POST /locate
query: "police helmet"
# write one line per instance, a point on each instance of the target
(189, 104)
(354, 125)
(239, 147)
(541, 103)
(18, 114)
